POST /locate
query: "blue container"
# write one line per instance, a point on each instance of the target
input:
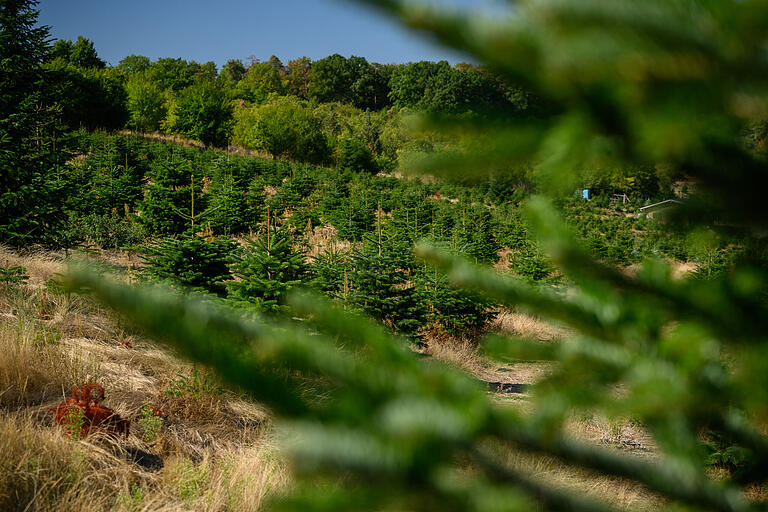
(585, 194)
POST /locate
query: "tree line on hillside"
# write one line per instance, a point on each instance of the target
(303, 110)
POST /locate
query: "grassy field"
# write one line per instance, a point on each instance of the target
(213, 449)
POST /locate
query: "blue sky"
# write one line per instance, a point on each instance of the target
(205, 30)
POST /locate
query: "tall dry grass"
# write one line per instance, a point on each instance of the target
(518, 323)
(214, 447)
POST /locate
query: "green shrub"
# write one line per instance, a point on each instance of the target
(150, 423)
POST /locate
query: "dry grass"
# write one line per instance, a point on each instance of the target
(34, 367)
(42, 469)
(324, 238)
(212, 451)
(680, 269)
(466, 356)
(617, 492)
(524, 325)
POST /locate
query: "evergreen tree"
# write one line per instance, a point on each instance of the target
(229, 210)
(194, 263)
(450, 311)
(475, 234)
(169, 202)
(330, 273)
(116, 185)
(382, 284)
(27, 185)
(267, 271)
(356, 156)
(412, 213)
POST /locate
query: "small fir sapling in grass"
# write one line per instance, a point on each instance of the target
(151, 422)
(293, 192)
(12, 275)
(621, 250)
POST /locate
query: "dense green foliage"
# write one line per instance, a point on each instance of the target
(267, 271)
(126, 189)
(201, 112)
(192, 262)
(318, 112)
(25, 184)
(628, 97)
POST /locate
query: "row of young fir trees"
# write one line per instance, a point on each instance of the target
(172, 194)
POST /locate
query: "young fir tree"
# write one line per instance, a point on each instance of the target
(229, 211)
(412, 213)
(350, 208)
(474, 233)
(295, 190)
(449, 311)
(172, 200)
(382, 283)
(192, 262)
(116, 185)
(330, 273)
(267, 271)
